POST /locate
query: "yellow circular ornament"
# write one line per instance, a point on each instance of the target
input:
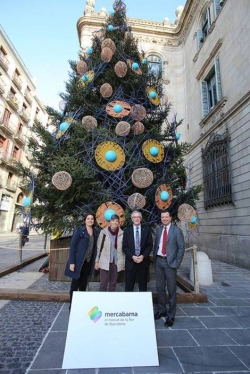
(153, 96)
(192, 226)
(153, 150)
(163, 196)
(109, 156)
(87, 78)
(105, 211)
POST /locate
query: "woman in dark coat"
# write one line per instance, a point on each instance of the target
(82, 255)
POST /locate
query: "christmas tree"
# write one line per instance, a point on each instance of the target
(113, 149)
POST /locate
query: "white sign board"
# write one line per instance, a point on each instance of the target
(111, 329)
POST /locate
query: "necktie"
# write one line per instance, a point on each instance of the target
(137, 242)
(164, 241)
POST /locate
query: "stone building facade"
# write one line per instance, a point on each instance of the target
(205, 60)
(19, 108)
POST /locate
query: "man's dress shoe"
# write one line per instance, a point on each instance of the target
(158, 315)
(169, 322)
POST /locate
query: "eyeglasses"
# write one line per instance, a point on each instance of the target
(136, 217)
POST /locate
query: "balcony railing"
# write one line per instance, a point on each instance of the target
(4, 62)
(13, 101)
(17, 80)
(11, 186)
(7, 126)
(25, 114)
(2, 86)
(28, 96)
(8, 158)
(19, 138)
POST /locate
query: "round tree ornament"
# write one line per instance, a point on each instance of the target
(106, 90)
(62, 180)
(89, 122)
(113, 109)
(109, 150)
(122, 128)
(81, 67)
(163, 196)
(103, 213)
(153, 150)
(136, 201)
(186, 212)
(142, 177)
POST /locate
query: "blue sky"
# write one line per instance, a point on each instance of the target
(44, 34)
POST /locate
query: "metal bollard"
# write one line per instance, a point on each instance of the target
(20, 248)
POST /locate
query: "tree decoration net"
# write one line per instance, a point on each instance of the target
(120, 69)
(136, 201)
(89, 122)
(142, 177)
(122, 128)
(106, 90)
(62, 180)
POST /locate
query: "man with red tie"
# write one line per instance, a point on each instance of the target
(168, 253)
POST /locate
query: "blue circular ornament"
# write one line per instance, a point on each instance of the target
(164, 195)
(135, 65)
(111, 156)
(89, 50)
(154, 151)
(110, 27)
(85, 78)
(177, 136)
(117, 108)
(112, 12)
(64, 126)
(144, 61)
(193, 219)
(108, 214)
(152, 94)
(26, 201)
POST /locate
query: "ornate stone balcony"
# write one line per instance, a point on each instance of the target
(7, 127)
(17, 81)
(25, 115)
(4, 63)
(28, 96)
(13, 101)
(2, 87)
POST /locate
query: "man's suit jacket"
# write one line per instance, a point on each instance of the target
(128, 245)
(175, 248)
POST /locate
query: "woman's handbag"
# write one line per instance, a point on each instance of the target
(96, 272)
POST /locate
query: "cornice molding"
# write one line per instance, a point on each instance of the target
(209, 59)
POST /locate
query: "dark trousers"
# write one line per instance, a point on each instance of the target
(139, 271)
(108, 278)
(80, 284)
(165, 276)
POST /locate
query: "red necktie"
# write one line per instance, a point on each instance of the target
(164, 241)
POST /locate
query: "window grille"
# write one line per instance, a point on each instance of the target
(155, 64)
(217, 171)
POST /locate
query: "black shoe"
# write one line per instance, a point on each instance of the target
(169, 322)
(158, 315)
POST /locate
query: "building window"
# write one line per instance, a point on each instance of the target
(6, 117)
(217, 171)
(218, 4)
(155, 64)
(205, 26)
(211, 89)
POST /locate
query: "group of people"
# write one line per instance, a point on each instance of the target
(112, 250)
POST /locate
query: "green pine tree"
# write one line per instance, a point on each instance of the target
(87, 143)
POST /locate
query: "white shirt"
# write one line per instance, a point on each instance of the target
(159, 252)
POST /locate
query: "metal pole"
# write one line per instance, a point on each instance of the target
(45, 242)
(20, 248)
(195, 267)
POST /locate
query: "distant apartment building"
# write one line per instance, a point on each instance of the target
(205, 60)
(19, 108)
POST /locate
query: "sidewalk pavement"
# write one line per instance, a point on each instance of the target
(212, 337)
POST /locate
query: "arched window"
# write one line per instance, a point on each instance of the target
(155, 63)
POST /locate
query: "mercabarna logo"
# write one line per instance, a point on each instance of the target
(95, 314)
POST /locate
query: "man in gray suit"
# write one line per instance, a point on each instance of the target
(168, 253)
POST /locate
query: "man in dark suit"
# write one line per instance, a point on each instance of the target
(137, 246)
(168, 253)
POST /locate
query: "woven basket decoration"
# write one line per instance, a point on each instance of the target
(108, 43)
(153, 150)
(186, 212)
(138, 112)
(90, 75)
(161, 199)
(142, 177)
(126, 108)
(136, 201)
(89, 122)
(138, 128)
(106, 54)
(106, 90)
(62, 180)
(101, 156)
(154, 100)
(81, 67)
(106, 209)
(120, 69)
(122, 128)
